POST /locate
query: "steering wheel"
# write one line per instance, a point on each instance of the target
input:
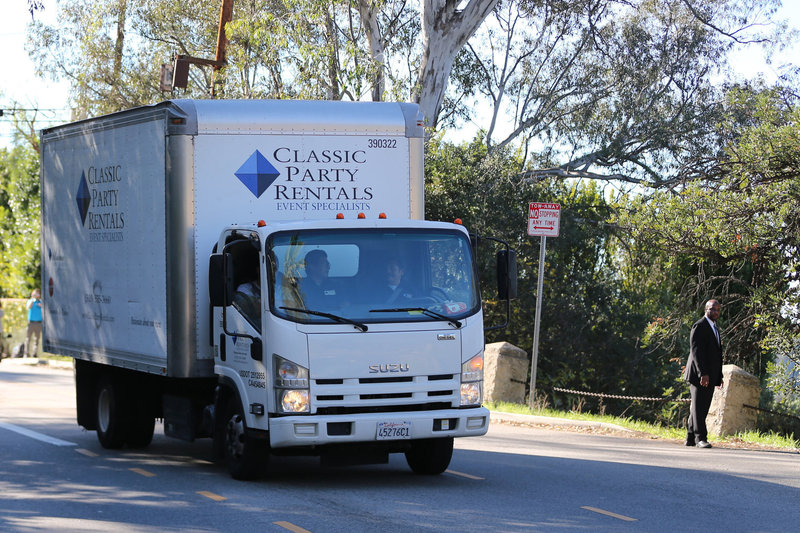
(437, 295)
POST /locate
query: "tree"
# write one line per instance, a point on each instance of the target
(311, 49)
(34, 5)
(613, 91)
(738, 230)
(112, 50)
(603, 84)
(446, 27)
(19, 221)
(594, 319)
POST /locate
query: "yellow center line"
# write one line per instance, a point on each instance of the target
(87, 453)
(212, 496)
(609, 513)
(291, 527)
(142, 472)
(462, 474)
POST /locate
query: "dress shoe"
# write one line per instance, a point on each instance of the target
(703, 444)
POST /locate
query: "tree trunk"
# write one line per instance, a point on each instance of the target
(119, 47)
(369, 17)
(445, 30)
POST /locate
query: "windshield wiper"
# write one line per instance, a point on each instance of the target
(336, 318)
(424, 310)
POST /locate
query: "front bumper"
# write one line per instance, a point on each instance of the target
(337, 429)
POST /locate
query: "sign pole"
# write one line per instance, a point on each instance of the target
(544, 220)
(537, 318)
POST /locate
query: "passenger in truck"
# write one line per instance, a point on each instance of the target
(394, 288)
(247, 298)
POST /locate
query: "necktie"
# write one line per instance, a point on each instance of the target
(716, 334)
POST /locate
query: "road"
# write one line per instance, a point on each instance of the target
(54, 476)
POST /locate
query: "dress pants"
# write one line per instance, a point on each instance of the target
(701, 403)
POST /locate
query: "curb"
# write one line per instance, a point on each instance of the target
(35, 361)
(532, 420)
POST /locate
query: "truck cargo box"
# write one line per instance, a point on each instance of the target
(133, 202)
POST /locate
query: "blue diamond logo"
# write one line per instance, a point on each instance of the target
(257, 174)
(83, 198)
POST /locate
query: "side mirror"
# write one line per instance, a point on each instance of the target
(507, 274)
(220, 280)
(256, 350)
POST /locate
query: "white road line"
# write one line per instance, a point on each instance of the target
(609, 513)
(462, 474)
(36, 435)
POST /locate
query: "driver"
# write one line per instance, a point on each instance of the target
(316, 289)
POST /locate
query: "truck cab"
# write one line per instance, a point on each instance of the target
(348, 339)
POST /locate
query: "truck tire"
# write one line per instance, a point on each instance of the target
(245, 456)
(430, 456)
(141, 424)
(110, 416)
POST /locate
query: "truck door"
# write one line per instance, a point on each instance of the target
(236, 278)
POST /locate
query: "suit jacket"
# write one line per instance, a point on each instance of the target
(705, 355)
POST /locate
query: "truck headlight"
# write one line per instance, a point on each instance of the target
(291, 386)
(289, 374)
(294, 401)
(471, 381)
(471, 393)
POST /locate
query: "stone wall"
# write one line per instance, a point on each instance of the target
(505, 373)
(727, 415)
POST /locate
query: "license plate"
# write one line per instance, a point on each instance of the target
(394, 430)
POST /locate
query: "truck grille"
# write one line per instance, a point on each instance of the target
(385, 394)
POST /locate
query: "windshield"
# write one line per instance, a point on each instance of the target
(372, 275)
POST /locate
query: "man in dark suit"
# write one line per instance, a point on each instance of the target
(703, 372)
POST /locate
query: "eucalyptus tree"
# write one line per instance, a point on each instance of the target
(607, 84)
(112, 50)
(620, 91)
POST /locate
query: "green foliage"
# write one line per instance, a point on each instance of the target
(15, 318)
(783, 381)
(19, 221)
(111, 51)
(592, 319)
(735, 235)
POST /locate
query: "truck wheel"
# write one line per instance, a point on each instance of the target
(110, 418)
(430, 456)
(140, 427)
(246, 457)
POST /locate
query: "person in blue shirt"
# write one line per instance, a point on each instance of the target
(34, 306)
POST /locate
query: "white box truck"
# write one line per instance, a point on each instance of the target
(259, 272)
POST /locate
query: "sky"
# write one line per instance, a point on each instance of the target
(18, 81)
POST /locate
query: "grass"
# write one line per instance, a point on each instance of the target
(54, 357)
(747, 438)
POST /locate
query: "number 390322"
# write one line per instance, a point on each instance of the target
(382, 143)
